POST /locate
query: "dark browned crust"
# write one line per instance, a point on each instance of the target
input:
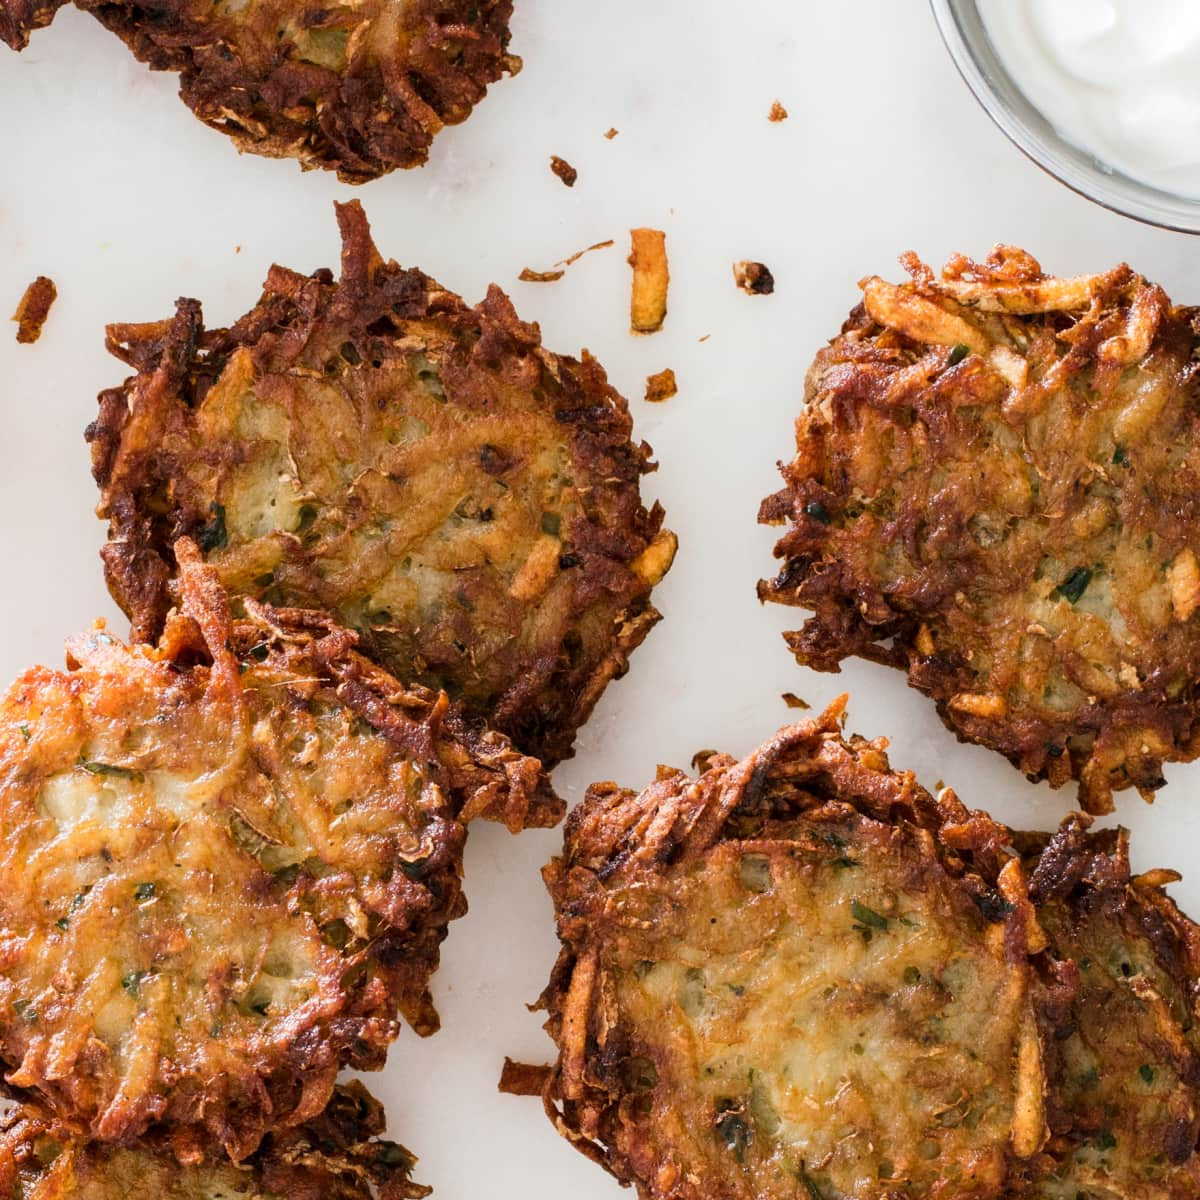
(391, 895)
(338, 1154)
(917, 540)
(34, 308)
(1120, 1020)
(19, 18)
(146, 441)
(619, 841)
(360, 91)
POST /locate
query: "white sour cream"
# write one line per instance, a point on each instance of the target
(1118, 78)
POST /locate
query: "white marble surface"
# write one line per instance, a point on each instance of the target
(111, 187)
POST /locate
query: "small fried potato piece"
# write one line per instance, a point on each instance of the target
(661, 386)
(361, 89)
(651, 280)
(228, 861)
(994, 490)
(34, 308)
(337, 1155)
(466, 500)
(797, 976)
(1121, 1029)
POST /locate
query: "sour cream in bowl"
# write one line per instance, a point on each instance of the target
(1104, 94)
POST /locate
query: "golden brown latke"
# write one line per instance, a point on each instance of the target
(995, 489)
(1122, 1042)
(336, 1155)
(360, 88)
(227, 864)
(463, 498)
(799, 976)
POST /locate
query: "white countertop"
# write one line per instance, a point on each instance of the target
(112, 188)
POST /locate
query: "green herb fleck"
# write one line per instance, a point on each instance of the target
(736, 988)
(1089, 1079)
(960, 351)
(551, 524)
(63, 922)
(1120, 457)
(103, 768)
(133, 981)
(817, 511)
(1075, 584)
(25, 732)
(144, 892)
(213, 535)
(733, 1130)
(25, 1010)
(843, 862)
(810, 1184)
(1105, 1140)
(1146, 1071)
(912, 975)
(867, 916)
(392, 1154)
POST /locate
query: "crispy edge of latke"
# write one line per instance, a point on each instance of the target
(363, 121)
(337, 1154)
(620, 834)
(19, 18)
(1080, 868)
(929, 314)
(177, 361)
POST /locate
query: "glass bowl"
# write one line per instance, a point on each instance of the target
(966, 38)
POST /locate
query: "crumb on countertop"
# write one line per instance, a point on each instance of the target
(661, 387)
(651, 280)
(794, 701)
(563, 170)
(754, 278)
(34, 308)
(560, 268)
(612, 133)
(778, 113)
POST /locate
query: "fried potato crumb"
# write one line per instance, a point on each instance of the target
(651, 280)
(528, 275)
(754, 278)
(34, 308)
(612, 133)
(661, 387)
(563, 170)
(777, 114)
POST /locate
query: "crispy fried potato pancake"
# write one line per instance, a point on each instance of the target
(799, 976)
(228, 862)
(360, 88)
(463, 498)
(995, 489)
(1123, 1040)
(337, 1155)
